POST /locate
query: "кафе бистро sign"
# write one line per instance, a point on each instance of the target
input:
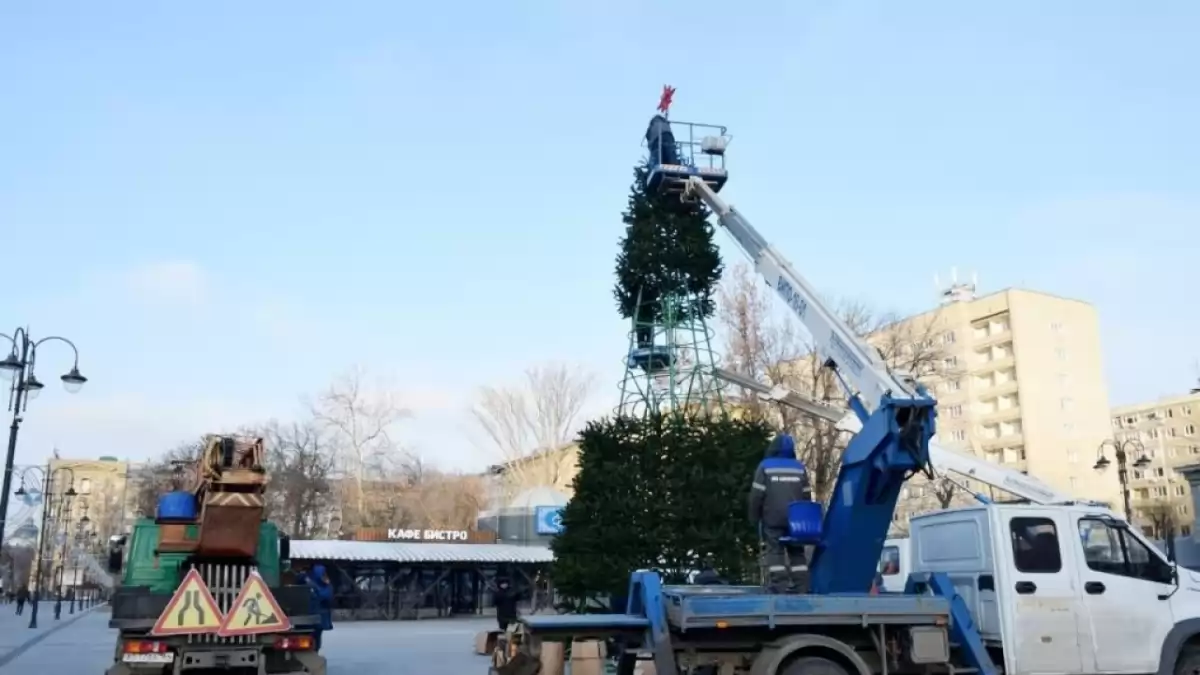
(428, 535)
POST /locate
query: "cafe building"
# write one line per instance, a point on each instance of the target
(417, 573)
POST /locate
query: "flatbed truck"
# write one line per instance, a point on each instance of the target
(1056, 587)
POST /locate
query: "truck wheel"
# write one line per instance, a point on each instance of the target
(1188, 663)
(813, 665)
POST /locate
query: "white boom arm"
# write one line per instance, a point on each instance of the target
(860, 364)
(943, 459)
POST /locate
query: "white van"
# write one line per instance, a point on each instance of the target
(895, 564)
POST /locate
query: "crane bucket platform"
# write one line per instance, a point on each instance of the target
(679, 150)
(230, 494)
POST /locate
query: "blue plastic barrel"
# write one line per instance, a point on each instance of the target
(178, 505)
(804, 521)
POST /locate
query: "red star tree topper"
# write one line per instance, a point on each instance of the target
(664, 101)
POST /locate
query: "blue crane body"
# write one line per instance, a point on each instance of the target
(898, 423)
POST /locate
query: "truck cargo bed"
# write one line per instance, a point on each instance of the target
(690, 607)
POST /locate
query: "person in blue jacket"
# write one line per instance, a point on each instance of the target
(780, 479)
(322, 590)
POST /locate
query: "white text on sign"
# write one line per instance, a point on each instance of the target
(428, 535)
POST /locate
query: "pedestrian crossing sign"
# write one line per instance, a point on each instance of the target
(191, 611)
(254, 611)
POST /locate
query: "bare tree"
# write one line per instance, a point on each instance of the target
(162, 474)
(299, 464)
(540, 415)
(16, 563)
(1163, 517)
(761, 344)
(360, 423)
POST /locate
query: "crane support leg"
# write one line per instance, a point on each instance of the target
(963, 630)
(892, 445)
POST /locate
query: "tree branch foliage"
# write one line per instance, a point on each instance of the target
(337, 469)
(662, 493)
(538, 415)
(668, 249)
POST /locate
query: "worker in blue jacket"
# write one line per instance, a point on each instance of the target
(779, 480)
(322, 596)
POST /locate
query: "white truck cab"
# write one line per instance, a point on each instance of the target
(1064, 588)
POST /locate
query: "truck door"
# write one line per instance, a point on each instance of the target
(1038, 590)
(1122, 580)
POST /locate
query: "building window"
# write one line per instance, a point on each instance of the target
(1035, 545)
(85, 486)
(948, 337)
(1056, 326)
(1074, 482)
(956, 411)
(1068, 428)
(954, 385)
(950, 361)
(1073, 456)
(1189, 430)
(1061, 353)
(1066, 403)
(959, 434)
(1186, 410)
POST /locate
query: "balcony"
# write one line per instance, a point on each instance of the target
(1001, 363)
(997, 416)
(999, 442)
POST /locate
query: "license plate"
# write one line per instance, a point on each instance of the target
(149, 658)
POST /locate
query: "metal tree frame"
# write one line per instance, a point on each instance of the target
(670, 362)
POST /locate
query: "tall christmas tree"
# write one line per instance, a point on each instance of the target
(667, 271)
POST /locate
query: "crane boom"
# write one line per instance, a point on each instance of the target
(835, 344)
(896, 413)
(943, 459)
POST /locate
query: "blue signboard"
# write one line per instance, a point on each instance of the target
(549, 519)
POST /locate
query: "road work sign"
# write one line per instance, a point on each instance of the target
(191, 610)
(254, 611)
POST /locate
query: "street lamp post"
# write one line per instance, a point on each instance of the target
(81, 538)
(1119, 450)
(19, 366)
(48, 481)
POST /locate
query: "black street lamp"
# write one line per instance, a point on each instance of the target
(81, 539)
(48, 480)
(1119, 450)
(19, 365)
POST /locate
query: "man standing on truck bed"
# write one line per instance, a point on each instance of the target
(780, 480)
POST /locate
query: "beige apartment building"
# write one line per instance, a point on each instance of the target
(1019, 381)
(102, 494)
(1166, 433)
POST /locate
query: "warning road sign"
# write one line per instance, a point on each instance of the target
(254, 611)
(191, 610)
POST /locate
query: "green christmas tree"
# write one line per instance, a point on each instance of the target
(668, 249)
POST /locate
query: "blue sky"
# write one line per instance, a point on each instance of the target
(225, 204)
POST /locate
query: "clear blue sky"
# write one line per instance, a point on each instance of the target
(226, 203)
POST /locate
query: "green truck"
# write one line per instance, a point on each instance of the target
(204, 583)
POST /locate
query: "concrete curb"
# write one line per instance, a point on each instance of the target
(31, 642)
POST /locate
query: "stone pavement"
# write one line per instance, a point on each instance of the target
(16, 635)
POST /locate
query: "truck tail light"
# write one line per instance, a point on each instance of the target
(294, 643)
(145, 647)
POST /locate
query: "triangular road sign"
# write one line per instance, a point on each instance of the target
(254, 611)
(191, 611)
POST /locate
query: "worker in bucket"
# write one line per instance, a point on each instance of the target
(780, 480)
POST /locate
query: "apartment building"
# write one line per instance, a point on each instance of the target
(1165, 435)
(101, 507)
(1019, 381)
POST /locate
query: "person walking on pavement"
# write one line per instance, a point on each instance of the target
(322, 596)
(505, 600)
(22, 598)
(779, 480)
